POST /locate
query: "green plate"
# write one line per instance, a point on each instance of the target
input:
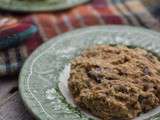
(39, 5)
(40, 74)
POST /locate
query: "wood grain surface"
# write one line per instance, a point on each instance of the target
(11, 105)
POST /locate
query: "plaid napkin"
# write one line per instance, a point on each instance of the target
(20, 36)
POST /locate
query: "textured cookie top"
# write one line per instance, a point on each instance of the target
(115, 82)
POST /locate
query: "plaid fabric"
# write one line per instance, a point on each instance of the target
(48, 25)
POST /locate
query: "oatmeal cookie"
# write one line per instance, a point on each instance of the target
(115, 82)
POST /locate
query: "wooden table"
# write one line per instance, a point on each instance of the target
(11, 105)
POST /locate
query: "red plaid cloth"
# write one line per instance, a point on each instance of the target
(48, 25)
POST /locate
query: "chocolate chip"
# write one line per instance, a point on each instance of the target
(98, 80)
(155, 87)
(142, 98)
(146, 71)
(94, 75)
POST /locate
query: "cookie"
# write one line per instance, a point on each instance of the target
(115, 82)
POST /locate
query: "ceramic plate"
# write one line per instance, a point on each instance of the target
(41, 74)
(39, 5)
